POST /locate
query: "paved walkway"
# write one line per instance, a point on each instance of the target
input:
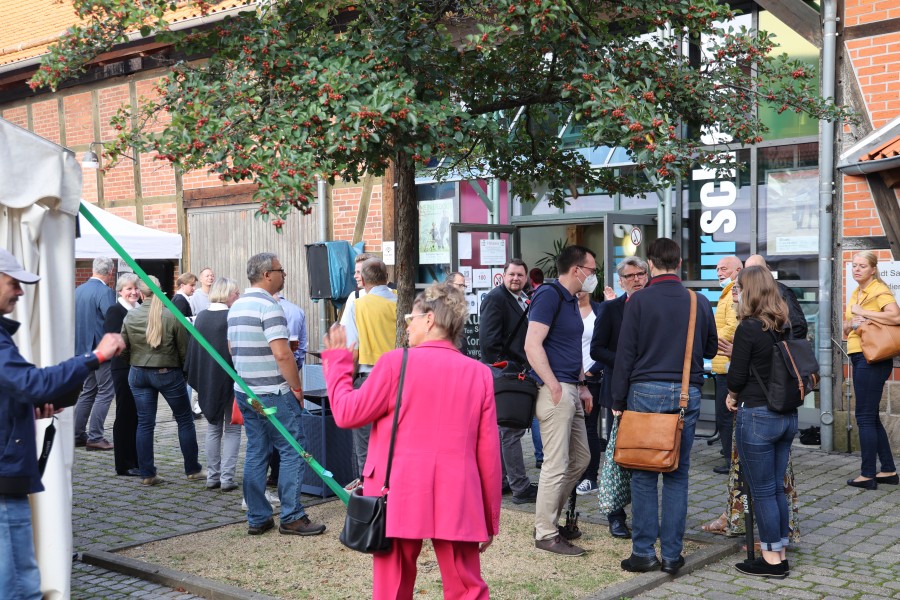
(850, 544)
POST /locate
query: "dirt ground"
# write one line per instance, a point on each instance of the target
(321, 568)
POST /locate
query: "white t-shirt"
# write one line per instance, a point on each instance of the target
(586, 361)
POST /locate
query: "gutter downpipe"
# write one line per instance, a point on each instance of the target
(322, 193)
(826, 207)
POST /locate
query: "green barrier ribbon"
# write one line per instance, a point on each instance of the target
(252, 399)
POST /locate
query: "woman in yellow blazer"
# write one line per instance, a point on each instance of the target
(872, 300)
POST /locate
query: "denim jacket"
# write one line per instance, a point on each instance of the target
(24, 386)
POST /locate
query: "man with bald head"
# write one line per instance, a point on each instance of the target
(726, 323)
(796, 317)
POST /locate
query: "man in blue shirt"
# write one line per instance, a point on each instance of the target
(553, 348)
(27, 392)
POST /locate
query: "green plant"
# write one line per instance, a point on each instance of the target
(547, 264)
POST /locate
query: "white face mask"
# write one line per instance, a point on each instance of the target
(725, 282)
(590, 284)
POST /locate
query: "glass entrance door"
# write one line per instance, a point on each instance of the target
(480, 252)
(625, 235)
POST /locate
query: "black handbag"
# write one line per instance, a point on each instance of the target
(365, 526)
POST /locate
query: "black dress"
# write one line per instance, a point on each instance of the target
(181, 303)
(215, 389)
(125, 424)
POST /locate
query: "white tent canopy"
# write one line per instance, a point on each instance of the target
(139, 241)
(40, 190)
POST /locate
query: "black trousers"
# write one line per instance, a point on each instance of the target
(125, 424)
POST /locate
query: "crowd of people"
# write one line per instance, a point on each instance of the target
(592, 354)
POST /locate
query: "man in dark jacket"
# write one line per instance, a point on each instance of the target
(633, 273)
(502, 311)
(25, 392)
(647, 378)
(799, 327)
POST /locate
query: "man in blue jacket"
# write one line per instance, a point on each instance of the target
(26, 392)
(647, 378)
(92, 299)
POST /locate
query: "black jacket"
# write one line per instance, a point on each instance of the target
(183, 304)
(499, 314)
(795, 313)
(752, 346)
(605, 340)
(215, 389)
(653, 334)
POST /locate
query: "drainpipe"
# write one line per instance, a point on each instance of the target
(322, 192)
(826, 251)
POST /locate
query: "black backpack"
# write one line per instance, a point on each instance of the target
(794, 374)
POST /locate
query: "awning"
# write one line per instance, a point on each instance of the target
(140, 242)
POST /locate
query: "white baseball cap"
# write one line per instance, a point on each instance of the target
(11, 266)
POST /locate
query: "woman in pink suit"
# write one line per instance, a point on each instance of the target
(445, 479)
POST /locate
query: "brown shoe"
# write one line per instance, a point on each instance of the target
(302, 526)
(101, 445)
(261, 529)
(155, 480)
(558, 545)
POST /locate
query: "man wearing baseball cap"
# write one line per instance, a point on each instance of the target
(26, 393)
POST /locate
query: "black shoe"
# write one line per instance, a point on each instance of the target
(640, 564)
(538, 464)
(198, 416)
(80, 443)
(569, 534)
(618, 529)
(722, 469)
(261, 529)
(506, 491)
(130, 473)
(671, 566)
(760, 568)
(526, 497)
(888, 479)
(866, 484)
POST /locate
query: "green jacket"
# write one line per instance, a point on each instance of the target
(171, 351)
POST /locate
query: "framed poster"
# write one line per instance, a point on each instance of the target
(434, 231)
(792, 212)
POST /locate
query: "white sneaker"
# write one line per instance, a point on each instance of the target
(586, 487)
(271, 496)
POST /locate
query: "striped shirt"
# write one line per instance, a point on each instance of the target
(254, 320)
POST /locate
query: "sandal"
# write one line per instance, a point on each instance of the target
(718, 526)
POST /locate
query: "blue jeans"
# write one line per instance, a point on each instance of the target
(868, 384)
(662, 397)
(764, 446)
(19, 575)
(261, 438)
(536, 440)
(146, 385)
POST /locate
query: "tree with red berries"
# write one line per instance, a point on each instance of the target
(299, 89)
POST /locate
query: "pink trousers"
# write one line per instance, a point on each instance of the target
(395, 572)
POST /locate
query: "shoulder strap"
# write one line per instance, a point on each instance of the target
(505, 349)
(555, 286)
(387, 473)
(688, 354)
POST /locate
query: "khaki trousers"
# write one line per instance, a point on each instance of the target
(566, 456)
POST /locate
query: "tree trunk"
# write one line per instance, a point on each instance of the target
(407, 238)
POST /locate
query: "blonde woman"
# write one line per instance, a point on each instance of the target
(155, 347)
(871, 301)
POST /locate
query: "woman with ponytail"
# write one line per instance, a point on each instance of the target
(155, 347)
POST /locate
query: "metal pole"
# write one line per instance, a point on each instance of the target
(826, 198)
(322, 192)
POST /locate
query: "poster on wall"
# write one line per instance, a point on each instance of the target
(434, 231)
(792, 212)
(493, 252)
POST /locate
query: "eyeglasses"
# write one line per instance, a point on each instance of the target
(633, 275)
(282, 271)
(461, 286)
(410, 316)
(589, 270)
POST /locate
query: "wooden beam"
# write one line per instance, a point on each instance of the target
(363, 213)
(224, 195)
(871, 29)
(865, 243)
(797, 15)
(888, 211)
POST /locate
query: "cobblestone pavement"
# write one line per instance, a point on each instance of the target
(850, 545)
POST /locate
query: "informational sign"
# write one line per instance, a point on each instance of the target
(497, 278)
(471, 342)
(388, 253)
(467, 273)
(792, 211)
(889, 272)
(481, 279)
(464, 245)
(434, 231)
(472, 301)
(493, 252)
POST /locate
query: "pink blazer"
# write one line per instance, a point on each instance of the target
(446, 478)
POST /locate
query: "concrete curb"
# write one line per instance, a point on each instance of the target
(714, 552)
(198, 586)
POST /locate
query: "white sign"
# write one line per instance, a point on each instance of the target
(493, 252)
(889, 272)
(497, 277)
(472, 301)
(481, 279)
(464, 246)
(637, 236)
(388, 253)
(467, 273)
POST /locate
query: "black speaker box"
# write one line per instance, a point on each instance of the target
(317, 266)
(332, 447)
